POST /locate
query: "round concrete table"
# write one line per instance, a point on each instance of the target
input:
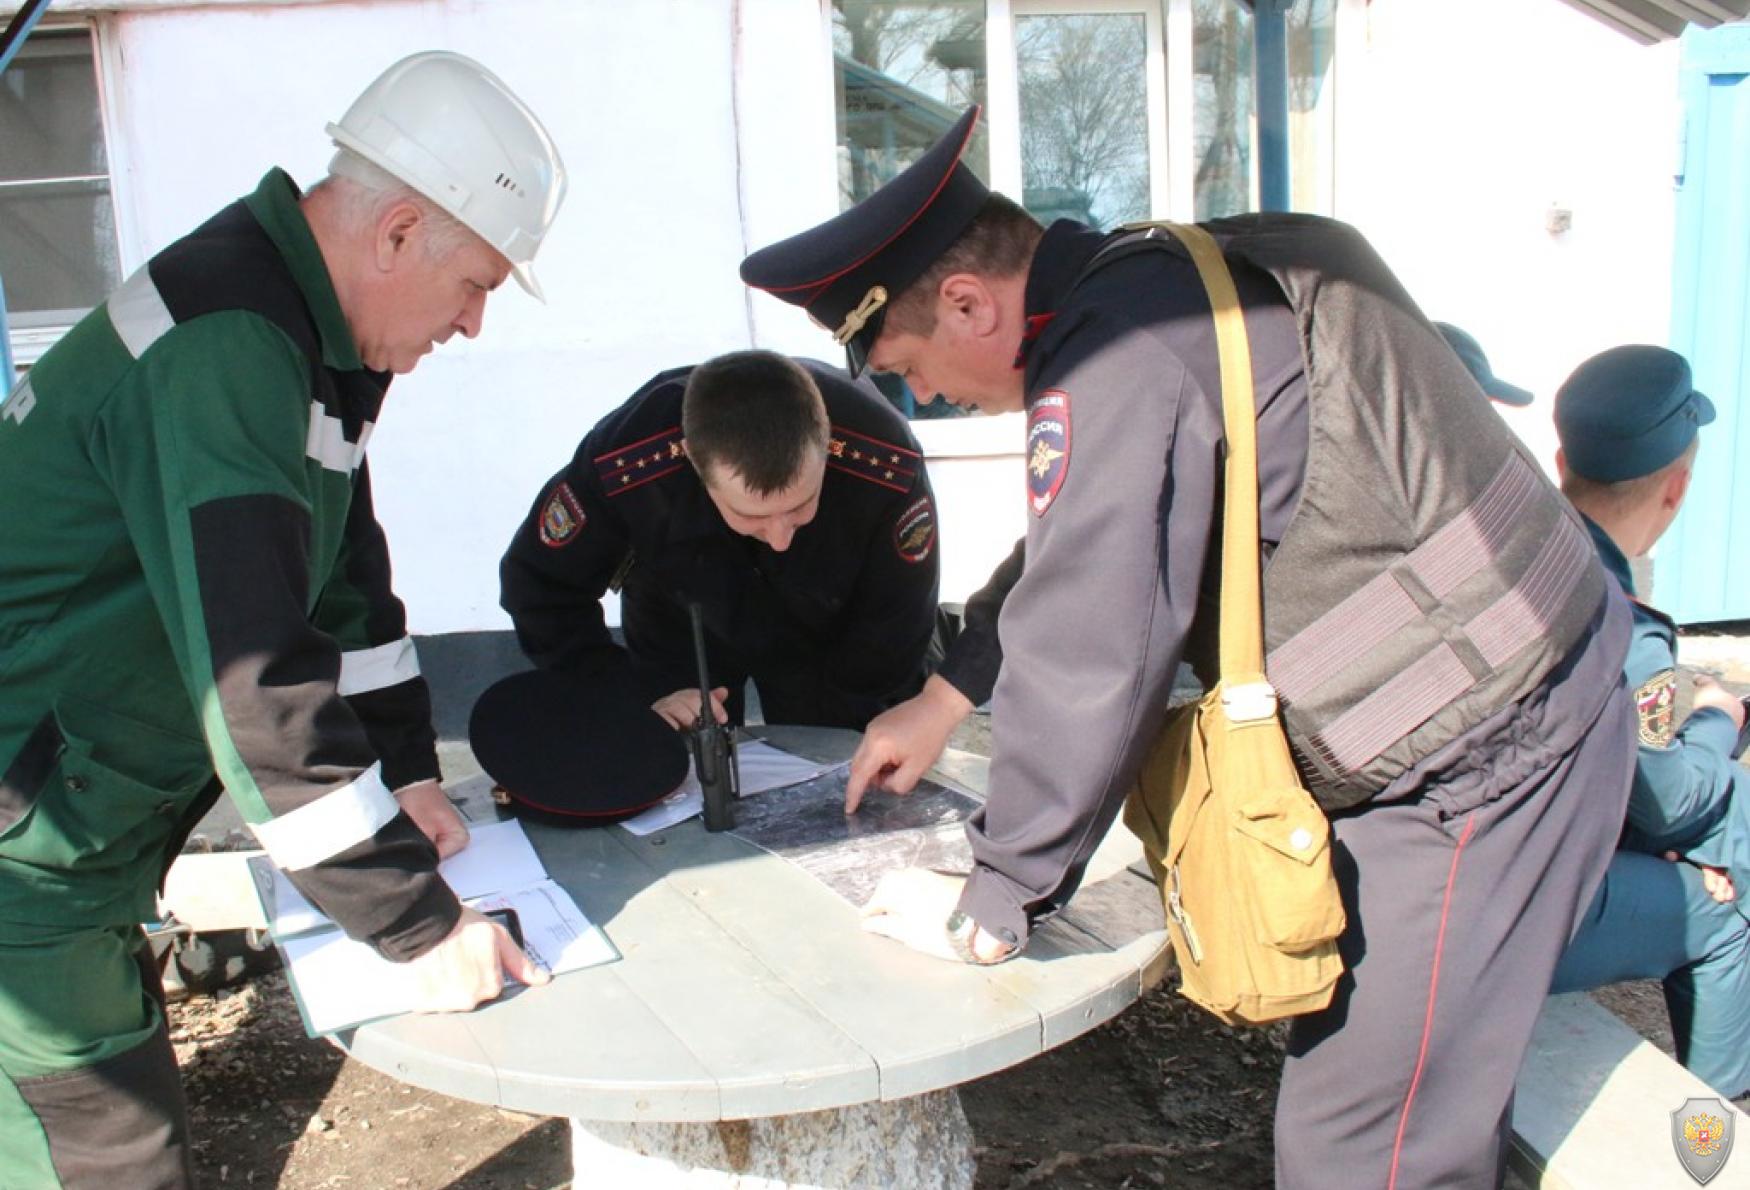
(751, 1033)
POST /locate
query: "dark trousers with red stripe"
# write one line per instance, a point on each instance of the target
(1461, 896)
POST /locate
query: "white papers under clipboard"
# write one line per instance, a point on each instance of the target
(339, 983)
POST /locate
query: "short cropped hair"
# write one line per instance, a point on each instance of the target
(1590, 495)
(364, 191)
(756, 414)
(999, 242)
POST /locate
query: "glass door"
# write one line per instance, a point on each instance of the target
(903, 71)
(1091, 105)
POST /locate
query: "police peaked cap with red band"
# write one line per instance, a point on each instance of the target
(846, 270)
(574, 749)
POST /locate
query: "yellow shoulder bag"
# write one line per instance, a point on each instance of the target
(1240, 850)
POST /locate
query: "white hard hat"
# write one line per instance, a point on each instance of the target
(449, 128)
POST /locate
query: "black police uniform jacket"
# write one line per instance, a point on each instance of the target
(847, 612)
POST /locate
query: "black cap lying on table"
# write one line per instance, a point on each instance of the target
(572, 750)
(846, 270)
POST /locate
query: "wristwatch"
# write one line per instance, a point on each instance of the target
(962, 929)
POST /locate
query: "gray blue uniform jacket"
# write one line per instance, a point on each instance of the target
(192, 582)
(846, 613)
(1685, 779)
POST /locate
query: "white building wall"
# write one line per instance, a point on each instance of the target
(698, 129)
(639, 270)
(694, 131)
(1464, 124)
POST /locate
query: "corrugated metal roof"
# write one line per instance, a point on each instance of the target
(1648, 21)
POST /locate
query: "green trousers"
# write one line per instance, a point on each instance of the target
(89, 1094)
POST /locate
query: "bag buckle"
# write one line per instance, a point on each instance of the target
(1248, 702)
(1176, 910)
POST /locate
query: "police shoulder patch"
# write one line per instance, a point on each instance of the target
(914, 533)
(562, 517)
(1047, 448)
(1655, 704)
(881, 463)
(637, 463)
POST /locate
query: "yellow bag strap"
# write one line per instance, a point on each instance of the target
(1242, 636)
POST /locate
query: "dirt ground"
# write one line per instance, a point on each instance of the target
(1160, 1096)
(1164, 1097)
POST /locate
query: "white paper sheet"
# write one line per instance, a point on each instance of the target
(498, 855)
(339, 983)
(555, 932)
(762, 767)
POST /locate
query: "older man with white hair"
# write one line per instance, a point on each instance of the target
(195, 595)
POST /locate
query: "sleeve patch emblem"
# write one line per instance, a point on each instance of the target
(1047, 448)
(562, 517)
(914, 533)
(1655, 702)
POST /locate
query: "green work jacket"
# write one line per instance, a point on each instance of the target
(193, 584)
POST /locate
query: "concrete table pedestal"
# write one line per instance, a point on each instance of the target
(921, 1141)
(751, 1034)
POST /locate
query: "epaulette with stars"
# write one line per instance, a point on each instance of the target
(869, 458)
(640, 462)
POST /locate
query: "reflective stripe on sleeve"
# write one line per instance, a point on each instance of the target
(329, 825)
(327, 442)
(20, 403)
(138, 313)
(363, 670)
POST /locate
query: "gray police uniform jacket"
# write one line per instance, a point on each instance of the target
(1422, 575)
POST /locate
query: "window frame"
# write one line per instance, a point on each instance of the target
(1171, 82)
(1161, 166)
(31, 341)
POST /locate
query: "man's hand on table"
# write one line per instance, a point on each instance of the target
(900, 743)
(912, 906)
(469, 966)
(431, 811)
(681, 709)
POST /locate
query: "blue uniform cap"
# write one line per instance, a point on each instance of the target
(1470, 353)
(1627, 412)
(846, 270)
